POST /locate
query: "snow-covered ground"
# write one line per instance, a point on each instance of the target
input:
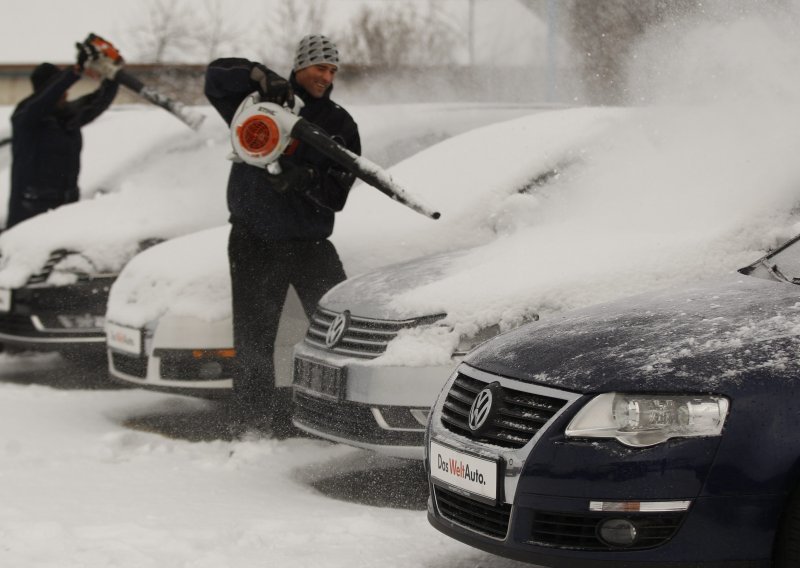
(129, 479)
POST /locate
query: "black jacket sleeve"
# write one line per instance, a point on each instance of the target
(335, 182)
(228, 83)
(89, 107)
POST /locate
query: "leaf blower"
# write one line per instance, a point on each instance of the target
(262, 131)
(104, 58)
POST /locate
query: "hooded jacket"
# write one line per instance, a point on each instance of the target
(47, 142)
(252, 198)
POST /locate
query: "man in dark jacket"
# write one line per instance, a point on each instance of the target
(280, 224)
(46, 140)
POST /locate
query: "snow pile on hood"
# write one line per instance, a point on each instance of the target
(121, 141)
(175, 187)
(197, 264)
(145, 290)
(472, 179)
(679, 196)
(683, 192)
(167, 180)
(692, 338)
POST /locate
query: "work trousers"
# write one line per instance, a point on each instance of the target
(261, 273)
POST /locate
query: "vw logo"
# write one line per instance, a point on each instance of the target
(482, 407)
(337, 329)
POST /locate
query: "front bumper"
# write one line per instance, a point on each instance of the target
(175, 371)
(57, 318)
(380, 408)
(546, 508)
(715, 533)
(181, 355)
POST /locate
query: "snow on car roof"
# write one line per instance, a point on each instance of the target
(644, 198)
(141, 157)
(158, 179)
(514, 151)
(674, 195)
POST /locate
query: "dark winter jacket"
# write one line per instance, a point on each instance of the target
(46, 145)
(252, 199)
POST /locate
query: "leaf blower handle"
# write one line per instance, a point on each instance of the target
(359, 166)
(99, 56)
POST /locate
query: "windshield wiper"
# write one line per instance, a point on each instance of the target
(776, 273)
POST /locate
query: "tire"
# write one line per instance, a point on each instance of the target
(786, 553)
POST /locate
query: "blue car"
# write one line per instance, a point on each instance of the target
(659, 430)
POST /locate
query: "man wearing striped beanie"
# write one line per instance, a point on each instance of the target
(280, 224)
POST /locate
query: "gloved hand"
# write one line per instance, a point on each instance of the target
(293, 177)
(104, 66)
(85, 52)
(100, 56)
(272, 87)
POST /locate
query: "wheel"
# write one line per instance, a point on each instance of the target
(786, 553)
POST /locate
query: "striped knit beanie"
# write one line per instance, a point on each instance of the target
(315, 49)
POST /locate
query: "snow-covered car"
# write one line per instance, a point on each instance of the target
(56, 268)
(169, 324)
(651, 431)
(627, 219)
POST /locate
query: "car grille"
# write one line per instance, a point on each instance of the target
(579, 531)
(348, 420)
(132, 365)
(55, 257)
(521, 416)
(79, 303)
(366, 338)
(491, 520)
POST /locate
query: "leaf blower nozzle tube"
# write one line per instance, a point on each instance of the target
(361, 167)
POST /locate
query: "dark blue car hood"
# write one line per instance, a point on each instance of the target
(713, 337)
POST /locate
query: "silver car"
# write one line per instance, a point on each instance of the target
(342, 393)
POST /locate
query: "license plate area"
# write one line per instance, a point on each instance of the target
(319, 378)
(477, 475)
(125, 339)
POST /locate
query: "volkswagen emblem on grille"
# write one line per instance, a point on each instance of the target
(484, 407)
(337, 329)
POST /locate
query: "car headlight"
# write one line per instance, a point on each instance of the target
(646, 420)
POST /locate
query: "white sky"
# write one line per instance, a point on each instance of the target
(36, 30)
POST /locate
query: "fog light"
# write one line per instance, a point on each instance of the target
(400, 418)
(210, 370)
(617, 532)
